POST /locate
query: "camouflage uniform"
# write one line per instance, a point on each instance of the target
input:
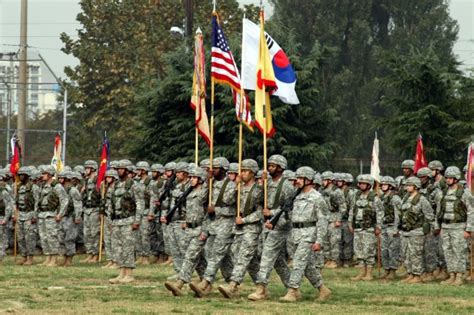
(67, 225)
(6, 209)
(91, 203)
(346, 249)
(415, 212)
(337, 209)
(390, 238)
(106, 190)
(143, 248)
(156, 239)
(53, 201)
(27, 205)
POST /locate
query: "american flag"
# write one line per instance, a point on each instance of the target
(224, 70)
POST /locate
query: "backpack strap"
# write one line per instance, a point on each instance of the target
(276, 200)
(221, 193)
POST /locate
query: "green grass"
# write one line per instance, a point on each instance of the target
(85, 289)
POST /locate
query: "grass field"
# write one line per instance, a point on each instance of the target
(84, 289)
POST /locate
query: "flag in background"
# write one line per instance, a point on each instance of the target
(266, 85)
(374, 164)
(285, 76)
(224, 70)
(56, 160)
(16, 156)
(470, 166)
(104, 162)
(198, 102)
(420, 160)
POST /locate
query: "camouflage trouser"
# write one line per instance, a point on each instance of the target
(390, 248)
(67, 236)
(177, 244)
(27, 234)
(48, 231)
(3, 239)
(332, 242)
(157, 244)
(108, 239)
(218, 254)
(226, 264)
(143, 247)
(123, 242)
(92, 232)
(166, 238)
(274, 255)
(441, 258)
(413, 248)
(306, 263)
(245, 256)
(365, 247)
(455, 248)
(346, 248)
(194, 257)
(430, 253)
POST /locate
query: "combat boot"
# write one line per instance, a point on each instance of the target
(385, 275)
(153, 259)
(94, 259)
(452, 277)
(67, 261)
(437, 272)
(324, 293)
(261, 293)
(108, 265)
(442, 275)
(128, 277)
(114, 265)
(145, 261)
(21, 262)
(291, 296)
(331, 264)
(176, 287)
(46, 261)
(229, 291)
(362, 274)
(458, 280)
(162, 259)
(53, 262)
(368, 275)
(120, 276)
(415, 279)
(427, 277)
(391, 275)
(139, 260)
(409, 278)
(29, 261)
(201, 289)
(87, 259)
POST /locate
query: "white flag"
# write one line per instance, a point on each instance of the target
(284, 74)
(374, 165)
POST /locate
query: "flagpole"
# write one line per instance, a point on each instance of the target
(264, 173)
(211, 147)
(241, 130)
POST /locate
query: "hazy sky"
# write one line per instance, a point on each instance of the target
(48, 18)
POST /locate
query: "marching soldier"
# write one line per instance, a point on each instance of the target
(6, 209)
(144, 244)
(91, 204)
(27, 206)
(408, 167)
(309, 228)
(156, 232)
(365, 219)
(52, 207)
(111, 176)
(415, 212)
(126, 208)
(346, 248)
(233, 171)
(455, 218)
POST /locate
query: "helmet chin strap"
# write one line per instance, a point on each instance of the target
(304, 183)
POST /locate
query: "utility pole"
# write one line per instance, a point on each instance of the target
(23, 75)
(188, 7)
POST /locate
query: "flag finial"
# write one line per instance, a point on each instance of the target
(214, 5)
(198, 31)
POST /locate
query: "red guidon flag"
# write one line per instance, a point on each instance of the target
(470, 166)
(16, 155)
(104, 162)
(420, 160)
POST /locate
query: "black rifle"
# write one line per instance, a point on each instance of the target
(287, 206)
(179, 203)
(169, 185)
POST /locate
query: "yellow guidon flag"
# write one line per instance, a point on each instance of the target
(266, 85)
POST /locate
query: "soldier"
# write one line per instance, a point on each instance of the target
(365, 219)
(6, 209)
(346, 248)
(415, 212)
(26, 216)
(156, 232)
(309, 228)
(233, 171)
(408, 167)
(195, 215)
(220, 233)
(52, 207)
(111, 176)
(280, 193)
(91, 203)
(143, 243)
(72, 217)
(126, 208)
(432, 255)
(248, 226)
(337, 209)
(175, 232)
(455, 218)
(437, 169)
(390, 240)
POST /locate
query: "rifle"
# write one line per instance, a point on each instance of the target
(179, 203)
(166, 191)
(287, 206)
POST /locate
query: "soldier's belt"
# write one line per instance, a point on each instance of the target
(25, 210)
(446, 221)
(302, 225)
(193, 225)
